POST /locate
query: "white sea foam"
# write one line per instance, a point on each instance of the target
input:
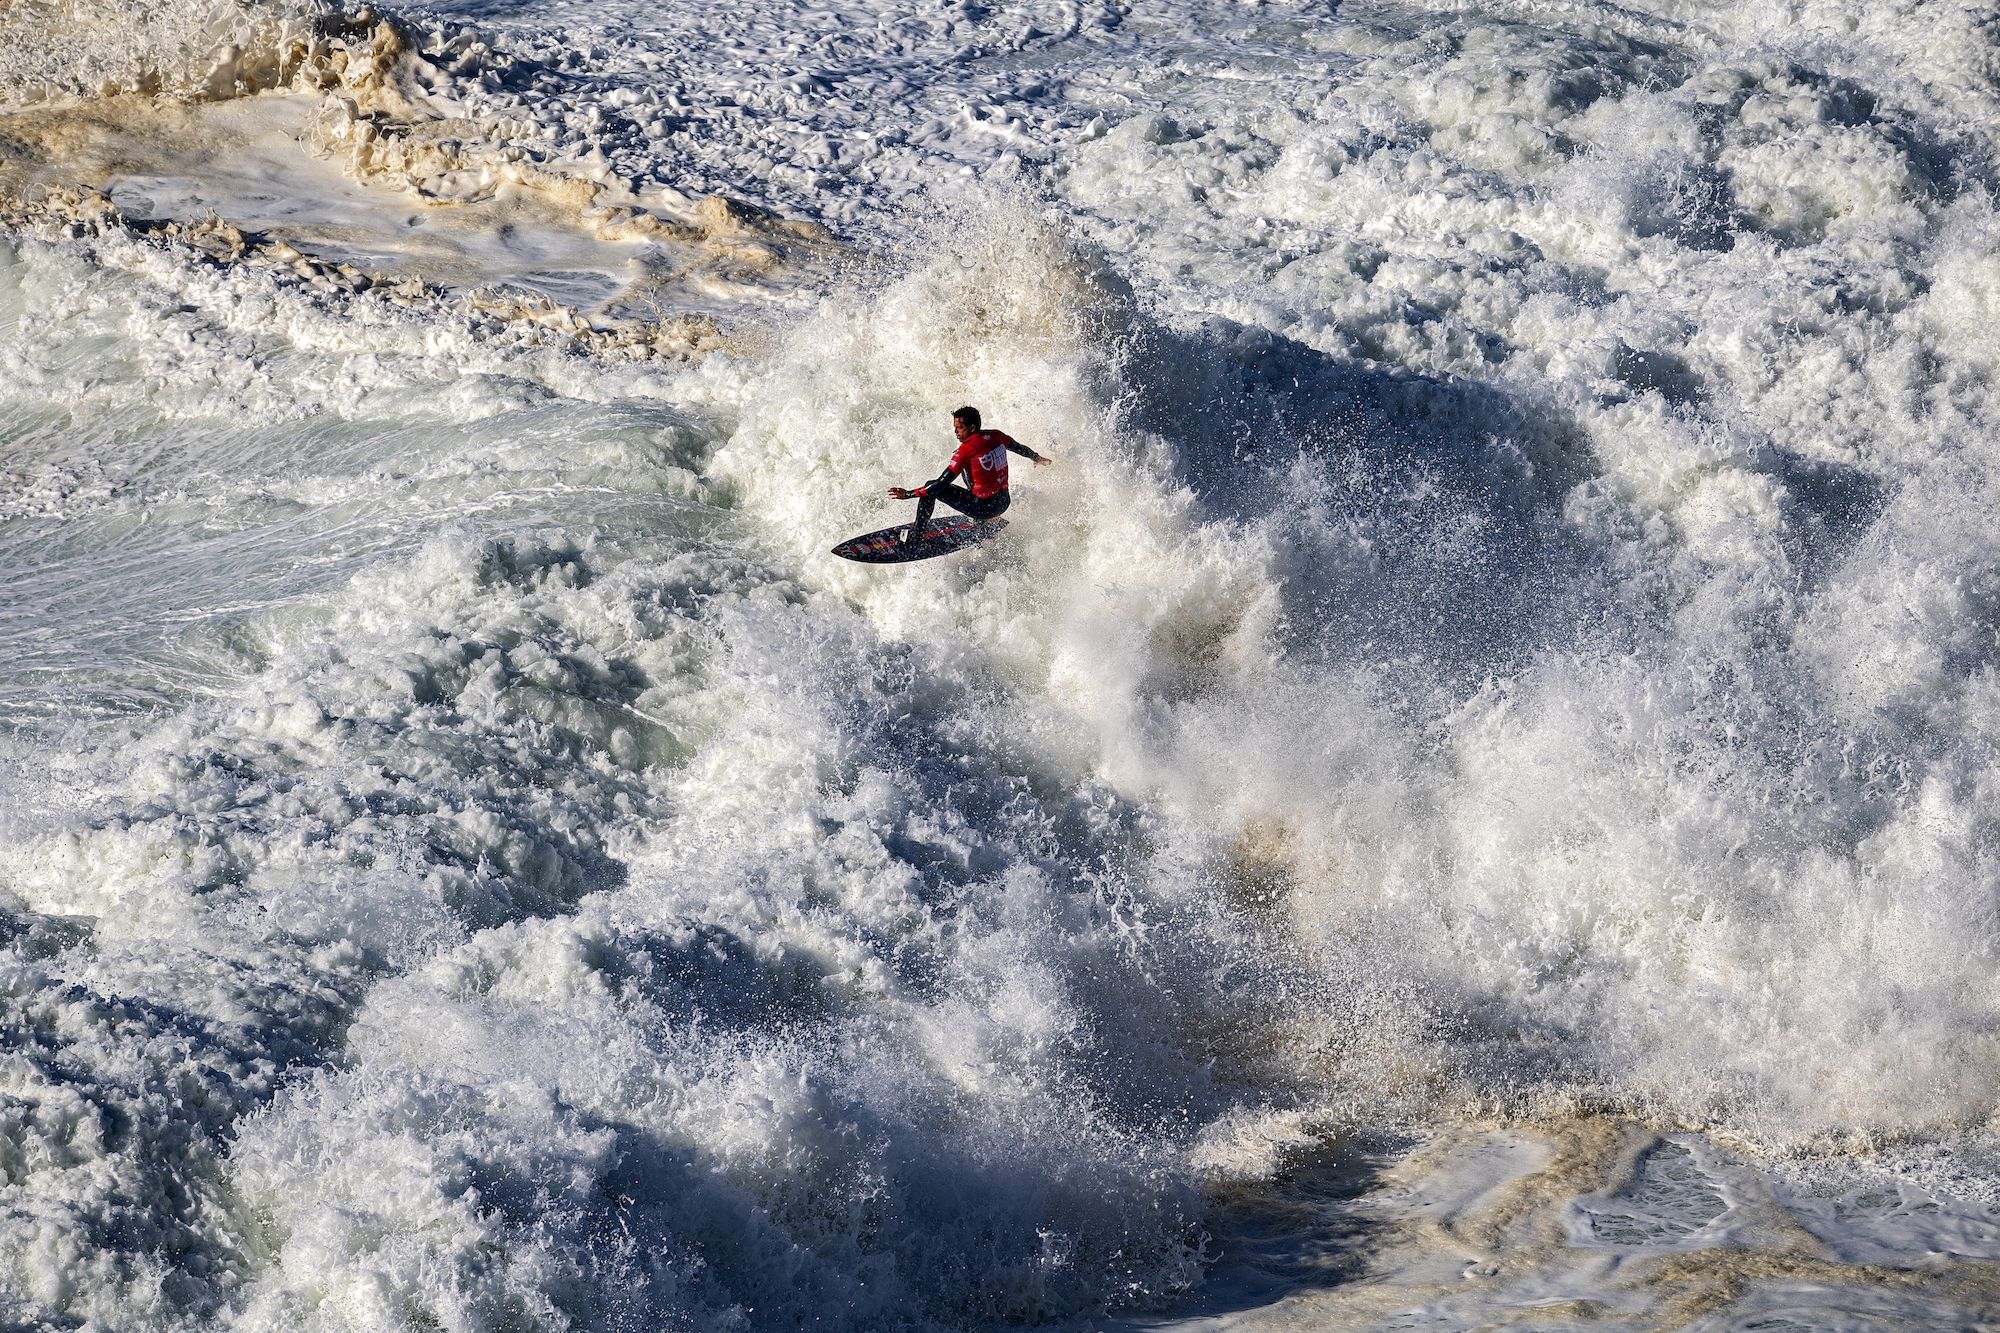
(1508, 631)
(88, 48)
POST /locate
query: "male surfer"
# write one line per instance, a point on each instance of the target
(982, 460)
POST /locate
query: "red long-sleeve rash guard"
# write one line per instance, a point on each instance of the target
(982, 460)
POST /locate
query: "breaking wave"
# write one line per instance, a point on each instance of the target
(1508, 632)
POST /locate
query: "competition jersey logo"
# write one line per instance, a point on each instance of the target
(994, 459)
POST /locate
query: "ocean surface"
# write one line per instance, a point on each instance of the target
(1467, 796)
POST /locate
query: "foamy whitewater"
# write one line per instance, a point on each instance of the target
(1467, 796)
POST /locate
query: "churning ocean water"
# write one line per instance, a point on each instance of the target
(1467, 796)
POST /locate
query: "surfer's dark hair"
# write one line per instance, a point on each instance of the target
(969, 415)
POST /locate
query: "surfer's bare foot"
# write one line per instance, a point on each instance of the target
(912, 535)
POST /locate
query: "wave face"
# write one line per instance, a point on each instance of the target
(1513, 629)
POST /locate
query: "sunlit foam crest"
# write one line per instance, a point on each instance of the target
(94, 48)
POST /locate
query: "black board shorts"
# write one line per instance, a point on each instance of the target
(954, 496)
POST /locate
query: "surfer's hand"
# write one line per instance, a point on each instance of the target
(1043, 460)
(899, 493)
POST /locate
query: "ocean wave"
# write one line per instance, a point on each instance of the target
(1507, 636)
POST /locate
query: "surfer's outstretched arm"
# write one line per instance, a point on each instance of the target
(907, 493)
(1016, 447)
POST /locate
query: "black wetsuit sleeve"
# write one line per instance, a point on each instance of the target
(1016, 447)
(950, 471)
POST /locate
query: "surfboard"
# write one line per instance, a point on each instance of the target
(945, 536)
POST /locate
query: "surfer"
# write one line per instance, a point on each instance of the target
(981, 459)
